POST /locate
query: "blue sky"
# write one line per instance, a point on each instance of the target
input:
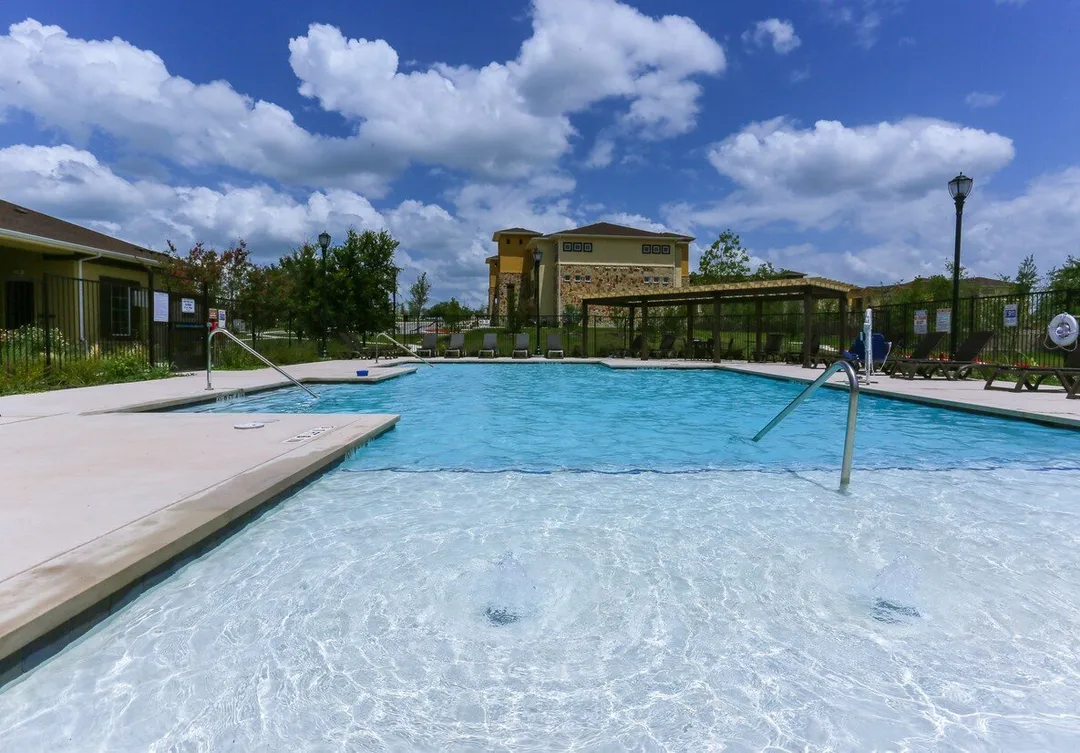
(824, 131)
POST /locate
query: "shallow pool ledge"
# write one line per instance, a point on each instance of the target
(101, 501)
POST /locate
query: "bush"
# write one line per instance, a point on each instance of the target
(33, 376)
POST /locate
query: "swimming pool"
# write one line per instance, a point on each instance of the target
(578, 583)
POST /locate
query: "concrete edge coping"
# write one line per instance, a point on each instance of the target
(179, 527)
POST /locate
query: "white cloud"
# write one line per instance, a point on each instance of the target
(800, 74)
(864, 16)
(780, 34)
(982, 99)
(502, 120)
(602, 153)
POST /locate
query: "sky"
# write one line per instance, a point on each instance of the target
(824, 132)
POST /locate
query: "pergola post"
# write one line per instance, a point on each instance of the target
(584, 329)
(757, 327)
(644, 332)
(843, 323)
(630, 334)
(716, 346)
(690, 331)
(808, 326)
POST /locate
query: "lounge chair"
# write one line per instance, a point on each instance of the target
(666, 349)
(634, 349)
(927, 345)
(456, 348)
(352, 347)
(490, 346)
(554, 345)
(957, 368)
(428, 344)
(733, 353)
(796, 356)
(773, 343)
(521, 345)
(1032, 377)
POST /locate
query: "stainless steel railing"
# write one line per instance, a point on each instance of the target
(395, 342)
(853, 408)
(249, 349)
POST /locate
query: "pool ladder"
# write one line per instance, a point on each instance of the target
(249, 349)
(853, 408)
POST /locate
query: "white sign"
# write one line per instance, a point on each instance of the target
(187, 305)
(920, 322)
(161, 306)
(944, 320)
(1012, 314)
(221, 318)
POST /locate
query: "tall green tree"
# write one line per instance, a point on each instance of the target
(724, 261)
(1027, 275)
(451, 312)
(1067, 276)
(419, 294)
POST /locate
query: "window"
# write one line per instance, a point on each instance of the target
(507, 241)
(117, 298)
(667, 249)
(667, 280)
(577, 278)
(577, 246)
(656, 249)
(647, 279)
(566, 278)
(520, 242)
(588, 278)
(588, 246)
(567, 246)
(646, 248)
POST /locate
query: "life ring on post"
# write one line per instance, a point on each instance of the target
(1063, 330)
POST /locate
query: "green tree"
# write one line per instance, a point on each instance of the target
(1027, 276)
(571, 316)
(451, 312)
(419, 294)
(1067, 276)
(304, 271)
(724, 261)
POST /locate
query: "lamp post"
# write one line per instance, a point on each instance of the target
(537, 253)
(324, 242)
(959, 188)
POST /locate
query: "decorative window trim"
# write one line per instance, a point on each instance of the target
(588, 247)
(567, 246)
(577, 245)
(656, 249)
(667, 249)
(646, 248)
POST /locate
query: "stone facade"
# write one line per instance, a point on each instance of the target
(505, 281)
(604, 279)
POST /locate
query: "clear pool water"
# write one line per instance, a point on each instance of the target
(735, 607)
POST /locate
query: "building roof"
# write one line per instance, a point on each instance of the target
(514, 231)
(19, 219)
(779, 289)
(622, 231)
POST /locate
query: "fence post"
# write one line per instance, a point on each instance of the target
(971, 316)
(150, 314)
(45, 319)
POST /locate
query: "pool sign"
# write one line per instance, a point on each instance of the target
(944, 320)
(187, 305)
(1012, 314)
(920, 322)
(221, 318)
(161, 306)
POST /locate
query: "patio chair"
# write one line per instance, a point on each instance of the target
(554, 345)
(926, 345)
(957, 368)
(633, 350)
(353, 348)
(456, 348)
(880, 348)
(1033, 377)
(771, 351)
(490, 346)
(796, 356)
(521, 345)
(733, 353)
(428, 344)
(666, 349)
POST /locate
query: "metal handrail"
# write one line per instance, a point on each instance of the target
(249, 349)
(853, 407)
(395, 342)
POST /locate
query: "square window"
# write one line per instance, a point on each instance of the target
(667, 280)
(667, 249)
(646, 248)
(656, 249)
(577, 278)
(577, 246)
(588, 247)
(520, 241)
(588, 278)
(566, 278)
(567, 246)
(648, 280)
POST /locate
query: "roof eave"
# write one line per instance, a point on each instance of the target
(38, 241)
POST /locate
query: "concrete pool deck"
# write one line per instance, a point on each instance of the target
(97, 492)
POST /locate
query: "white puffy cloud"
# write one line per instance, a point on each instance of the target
(982, 99)
(779, 34)
(864, 16)
(505, 119)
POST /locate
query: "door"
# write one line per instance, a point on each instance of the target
(18, 303)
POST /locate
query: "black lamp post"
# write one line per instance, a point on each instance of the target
(324, 242)
(959, 188)
(537, 253)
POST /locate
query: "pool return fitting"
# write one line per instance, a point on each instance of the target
(852, 411)
(249, 349)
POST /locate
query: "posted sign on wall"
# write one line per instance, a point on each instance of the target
(161, 306)
(187, 305)
(920, 322)
(1012, 314)
(944, 320)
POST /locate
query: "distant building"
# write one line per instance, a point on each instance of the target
(583, 262)
(876, 295)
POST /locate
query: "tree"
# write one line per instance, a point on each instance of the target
(571, 316)
(451, 312)
(1027, 276)
(419, 293)
(724, 261)
(1067, 276)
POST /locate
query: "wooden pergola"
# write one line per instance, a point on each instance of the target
(806, 289)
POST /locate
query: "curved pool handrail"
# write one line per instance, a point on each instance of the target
(249, 349)
(853, 407)
(395, 342)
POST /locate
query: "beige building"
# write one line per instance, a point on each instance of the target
(581, 263)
